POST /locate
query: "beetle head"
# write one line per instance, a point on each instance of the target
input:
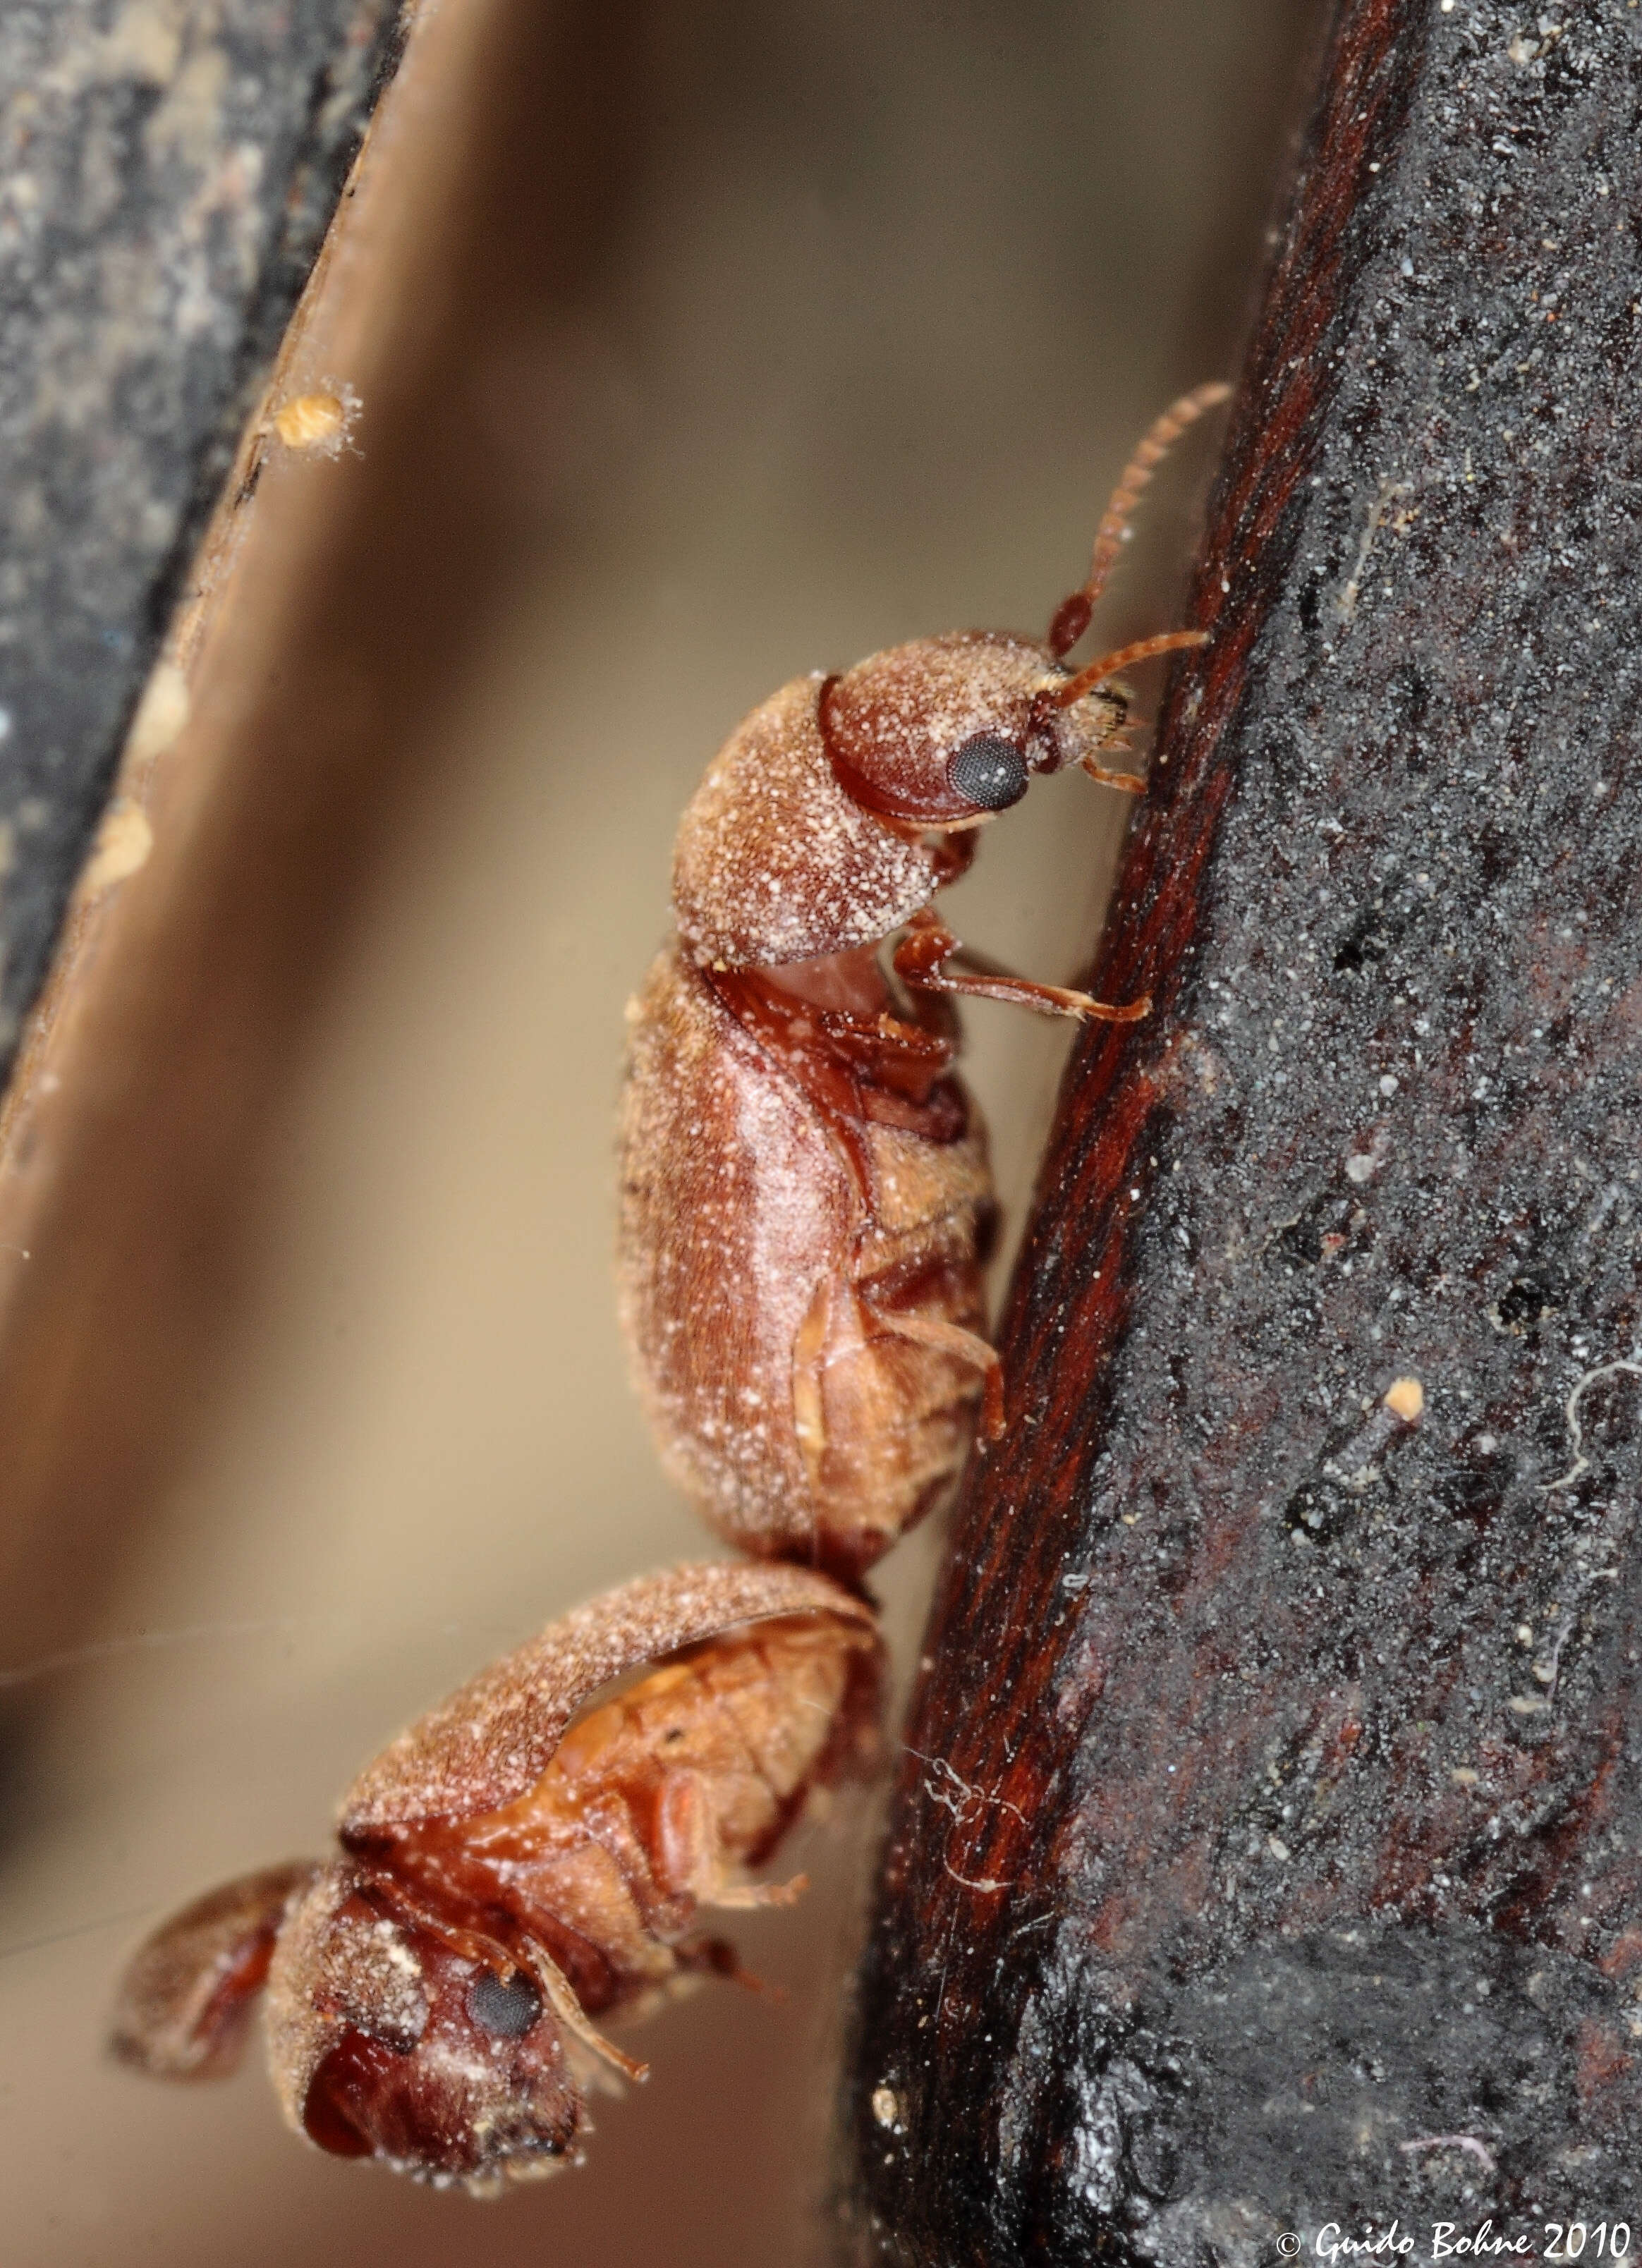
(947, 731)
(386, 2042)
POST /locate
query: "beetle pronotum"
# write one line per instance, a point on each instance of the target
(528, 1857)
(804, 1182)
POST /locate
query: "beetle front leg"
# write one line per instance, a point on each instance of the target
(923, 950)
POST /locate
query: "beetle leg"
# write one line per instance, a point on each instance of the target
(683, 1833)
(714, 1956)
(689, 1856)
(1131, 783)
(923, 952)
(952, 1339)
(749, 1895)
(185, 2003)
(607, 1820)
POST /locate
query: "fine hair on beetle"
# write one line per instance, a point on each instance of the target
(805, 1195)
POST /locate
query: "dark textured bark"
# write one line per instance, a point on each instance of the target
(1285, 1814)
(167, 175)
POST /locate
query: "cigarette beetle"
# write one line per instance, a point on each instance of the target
(526, 1857)
(805, 1184)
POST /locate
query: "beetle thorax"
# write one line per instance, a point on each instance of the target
(817, 826)
(774, 862)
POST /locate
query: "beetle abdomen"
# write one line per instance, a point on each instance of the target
(760, 1283)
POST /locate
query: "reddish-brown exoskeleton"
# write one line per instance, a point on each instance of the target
(517, 1864)
(805, 1179)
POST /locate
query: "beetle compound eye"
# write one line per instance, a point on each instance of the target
(506, 2007)
(988, 771)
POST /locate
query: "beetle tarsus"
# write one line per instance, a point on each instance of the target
(751, 1896)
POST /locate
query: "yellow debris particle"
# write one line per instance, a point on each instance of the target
(123, 842)
(1405, 1398)
(314, 421)
(161, 714)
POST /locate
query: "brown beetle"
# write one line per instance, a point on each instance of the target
(523, 1859)
(804, 1184)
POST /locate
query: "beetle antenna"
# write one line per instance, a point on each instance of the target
(1062, 696)
(1071, 616)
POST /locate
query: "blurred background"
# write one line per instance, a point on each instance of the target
(693, 347)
